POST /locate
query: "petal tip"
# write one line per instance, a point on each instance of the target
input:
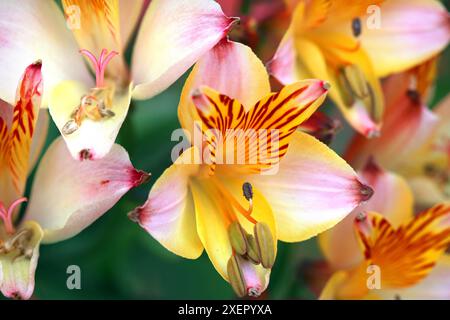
(139, 177)
(365, 192)
(135, 215)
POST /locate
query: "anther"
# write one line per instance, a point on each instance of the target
(265, 244)
(238, 238)
(414, 95)
(356, 27)
(70, 127)
(361, 217)
(235, 276)
(247, 189)
(252, 250)
(366, 192)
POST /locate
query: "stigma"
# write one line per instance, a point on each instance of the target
(6, 215)
(99, 64)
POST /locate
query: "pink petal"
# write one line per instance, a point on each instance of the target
(173, 35)
(68, 195)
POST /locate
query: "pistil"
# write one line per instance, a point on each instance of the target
(99, 64)
(6, 214)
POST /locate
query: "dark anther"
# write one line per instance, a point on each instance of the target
(247, 190)
(414, 95)
(356, 27)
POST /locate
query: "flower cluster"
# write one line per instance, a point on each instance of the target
(256, 164)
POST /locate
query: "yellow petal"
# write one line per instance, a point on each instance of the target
(169, 213)
(312, 190)
(17, 273)
(96, 137)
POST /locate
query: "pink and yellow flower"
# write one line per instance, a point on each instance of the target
(355, 43)
(236, 211)
(67, 195)
(414, 141)
(89, 111)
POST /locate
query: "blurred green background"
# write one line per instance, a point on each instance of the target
(119, 260)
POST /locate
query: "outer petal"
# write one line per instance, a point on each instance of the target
(411, 32)
(32, 30)
(169, 214)
(230, 68)
(68, 195)
(96, 137)
(17, 273)
(312, 191)
(173, 35)
(17, 126)
(392, 198)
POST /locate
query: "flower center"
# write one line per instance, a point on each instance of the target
(6, 214)
(230, 205)
(96, 105)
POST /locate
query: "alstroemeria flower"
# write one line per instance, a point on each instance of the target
(67, 195)
(89, 111)
(407, 251)
(238, 210)
(414, 141)
(352, 44)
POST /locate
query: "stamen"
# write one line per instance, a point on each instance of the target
(6, 215)
(356, 27)
(99, 64)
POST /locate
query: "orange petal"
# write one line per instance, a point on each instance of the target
(407, 254)
(17, 143)
(230, 68)
(265, 129)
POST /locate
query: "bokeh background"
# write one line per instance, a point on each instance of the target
(119, 260)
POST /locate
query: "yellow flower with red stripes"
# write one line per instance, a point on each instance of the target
(281, 184)
(355, 43)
